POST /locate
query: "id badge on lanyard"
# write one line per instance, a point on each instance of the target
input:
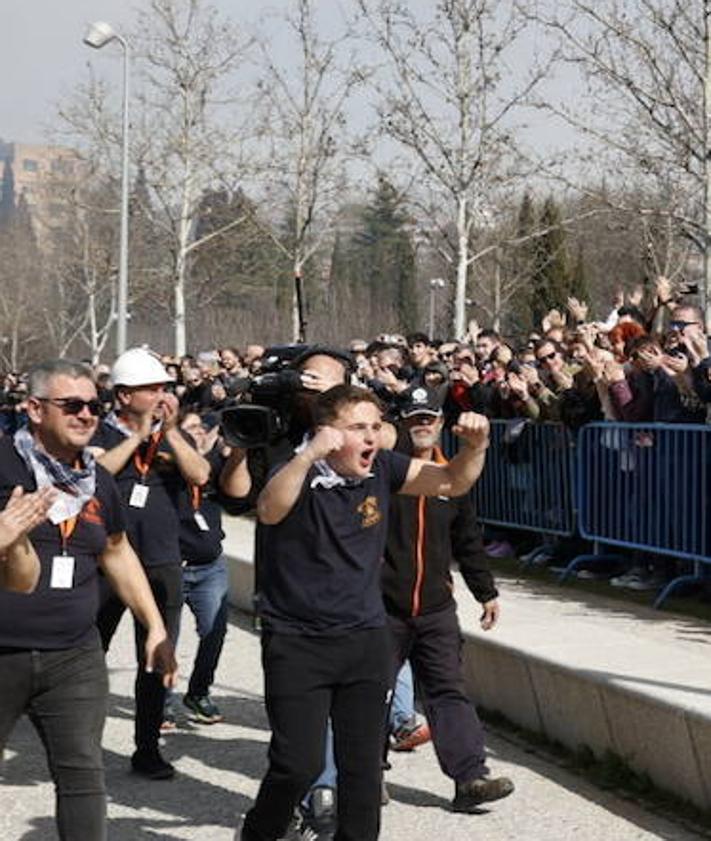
(139, 492)
(62, 574)
(196, 499)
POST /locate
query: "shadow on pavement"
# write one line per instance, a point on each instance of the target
(183, 801)
(238, 708)
(416, 796)
(188, 800)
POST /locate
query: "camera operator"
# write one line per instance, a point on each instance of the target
(274, 423)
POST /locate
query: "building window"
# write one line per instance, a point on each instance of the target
(30, 165)
(61, 165)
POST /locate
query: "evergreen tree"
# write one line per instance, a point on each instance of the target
(551, 275)
(241, 269)
(7, 191)
(523, 268)
(384, 261)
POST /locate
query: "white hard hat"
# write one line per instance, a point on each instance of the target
(139, 366)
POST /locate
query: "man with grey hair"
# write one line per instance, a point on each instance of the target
(424, 537)
(51, 663)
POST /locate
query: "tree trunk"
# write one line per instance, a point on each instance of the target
(179, 304)
(295, 320)
(460, 292)
(185, 229)
(181, 262)
(93, 331)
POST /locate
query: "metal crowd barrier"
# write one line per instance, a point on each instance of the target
(642, 487)
(646, 487)
(527, 482)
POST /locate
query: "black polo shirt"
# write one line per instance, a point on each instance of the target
(153, 530)
(321, 563)
(58, 618)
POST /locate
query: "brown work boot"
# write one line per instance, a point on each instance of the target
(471, 794)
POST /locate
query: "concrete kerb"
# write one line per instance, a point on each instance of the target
(580, 708)
(573, 705)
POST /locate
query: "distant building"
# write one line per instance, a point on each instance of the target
(42, 180)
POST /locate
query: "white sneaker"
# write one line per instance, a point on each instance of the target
(632, 575)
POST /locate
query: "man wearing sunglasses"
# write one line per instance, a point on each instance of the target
(555, 377)
(51, 663)
(153, 462)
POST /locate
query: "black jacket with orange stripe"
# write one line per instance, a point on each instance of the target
(425, 536)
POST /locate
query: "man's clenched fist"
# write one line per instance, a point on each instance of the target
(473, 429)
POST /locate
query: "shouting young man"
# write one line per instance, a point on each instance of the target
(325, 645)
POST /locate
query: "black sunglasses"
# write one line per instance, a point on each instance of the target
(681, 325)
(546, 357)
(74, 405)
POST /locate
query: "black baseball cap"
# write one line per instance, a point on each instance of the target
(420, 401)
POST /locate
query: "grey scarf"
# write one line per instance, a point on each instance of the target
(75, 486)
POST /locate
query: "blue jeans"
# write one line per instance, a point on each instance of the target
(205, 592)
(402, 709)
(401, 712)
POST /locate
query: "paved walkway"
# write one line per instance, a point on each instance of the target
(220, 768)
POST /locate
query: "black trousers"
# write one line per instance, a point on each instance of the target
(64, 694)
(433, 642)
(167, 585)
(306, 679)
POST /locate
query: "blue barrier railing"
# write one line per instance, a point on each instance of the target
(646, 487)
(642, 487)
(527, 482)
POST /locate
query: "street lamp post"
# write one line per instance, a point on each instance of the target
(435, 284)
(98, 35)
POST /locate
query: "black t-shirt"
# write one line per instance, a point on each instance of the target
(321, 563)
(51, 618)
(153, 530)
(199, 546)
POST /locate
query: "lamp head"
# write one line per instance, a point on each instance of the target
(99, 34)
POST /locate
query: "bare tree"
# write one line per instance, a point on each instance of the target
(451, 102)
(648, 104)
(190, 56)
(305, 137)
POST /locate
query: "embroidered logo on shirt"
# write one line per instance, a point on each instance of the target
(91, 512)
(370, 512)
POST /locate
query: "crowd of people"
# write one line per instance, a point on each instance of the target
(646, 361)
(114, 481)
